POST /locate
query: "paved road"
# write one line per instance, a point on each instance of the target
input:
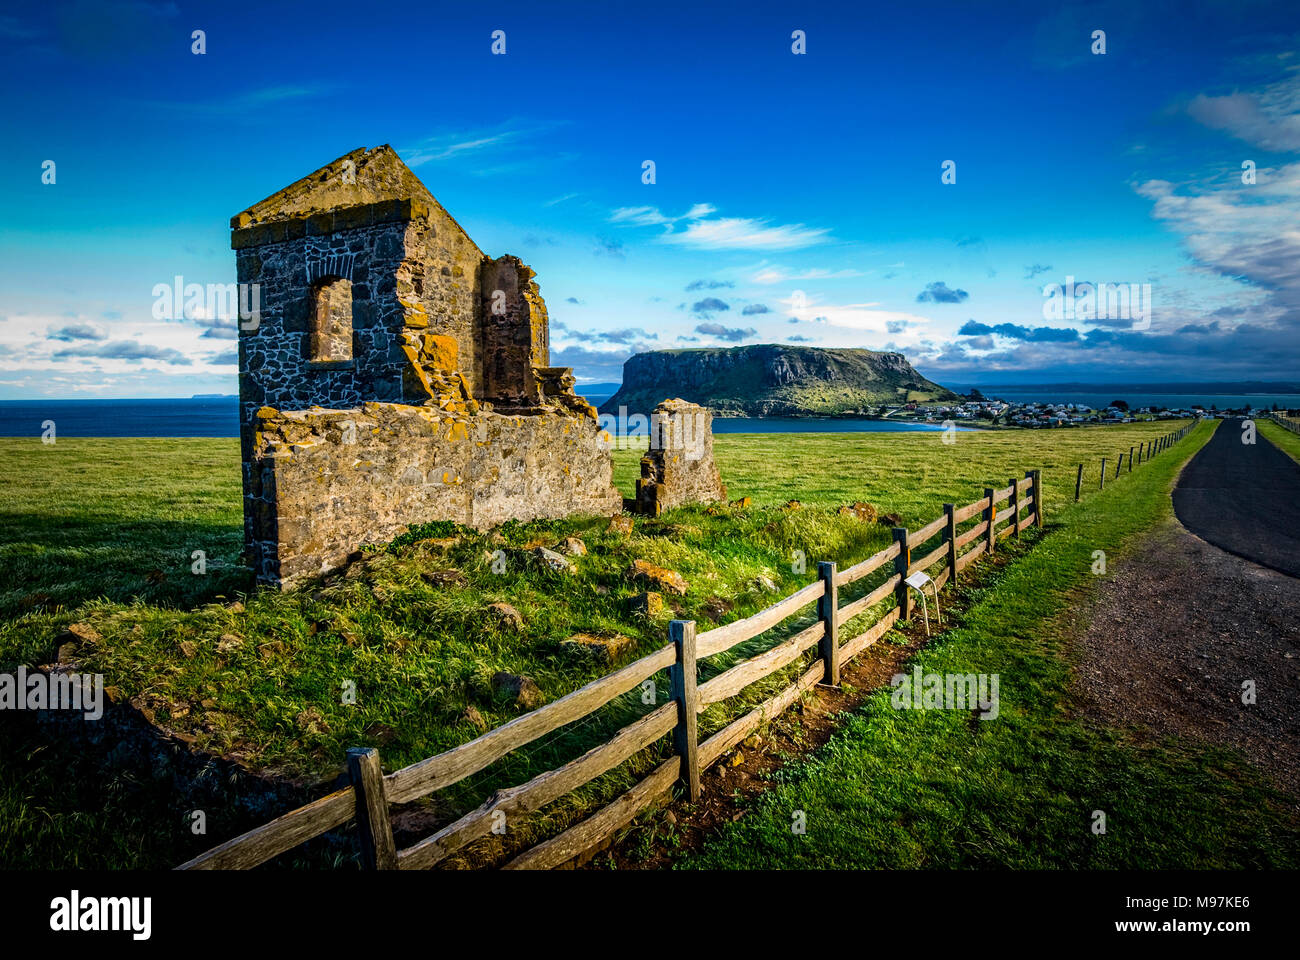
(1243, 498)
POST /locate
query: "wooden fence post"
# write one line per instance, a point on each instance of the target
(1119, 465)
(1078, 484)
(373, 826)
(901, 563)
(1014, 507)
(1101, 482)
(950, 538)
(1130, 459)
(683, 676)
(990, 514)
(1037, 477)
(828, 609)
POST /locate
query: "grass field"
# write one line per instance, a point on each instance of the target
(1284, 439)
(102, 532)
(936, 789)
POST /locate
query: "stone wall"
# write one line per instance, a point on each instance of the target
(439, 286)
(679, 466)
(515, 334)
(328, 481)
(397, 375)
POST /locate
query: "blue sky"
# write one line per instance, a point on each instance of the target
(797, 198)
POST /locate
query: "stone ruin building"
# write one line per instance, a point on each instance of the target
(396, 374)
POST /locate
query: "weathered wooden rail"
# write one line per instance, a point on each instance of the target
(1284, 421)
(1144, 451)
(371, 793)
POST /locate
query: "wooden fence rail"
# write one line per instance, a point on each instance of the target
(1284, 421)
(1145, 451)
(371, 794)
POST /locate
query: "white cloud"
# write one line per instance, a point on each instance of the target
(1268, 119)
(505, 138)
(769, 275)
(855, 316)
(1249, 233)
(446, 147)
(640, 216)
(90, 354)
(742, 233)
(703, 232)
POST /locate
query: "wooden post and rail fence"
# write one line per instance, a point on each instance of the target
(1145, 451)
(1284, 421)
(371, 792)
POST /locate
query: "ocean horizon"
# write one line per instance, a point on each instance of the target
(218, 416)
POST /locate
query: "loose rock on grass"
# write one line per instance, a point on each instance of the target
(604, 649)
(506, 616)
(518, 689)
(667, 580)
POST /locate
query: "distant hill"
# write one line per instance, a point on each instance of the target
(773, 380)
(1225, 387)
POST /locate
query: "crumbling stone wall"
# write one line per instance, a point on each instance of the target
(329, 481)
(679, 466)
(514, 332)
(395, 374)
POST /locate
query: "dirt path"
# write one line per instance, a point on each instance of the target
(1243, 498)
(1177, 628)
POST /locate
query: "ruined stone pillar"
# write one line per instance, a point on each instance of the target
(678, 468)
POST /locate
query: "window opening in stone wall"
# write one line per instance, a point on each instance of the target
(331, 321)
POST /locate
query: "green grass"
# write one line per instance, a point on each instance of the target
(912, 474)
(101, 532)
(939, 789)
(1287, 441)
(88, 518)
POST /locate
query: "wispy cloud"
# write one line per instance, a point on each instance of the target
(449, 146)
(249, 101)
(774, 274)
(852, 316)
(503, 143)
(741, 233)
(126, 350)
(1268, 118)
(703, 231)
